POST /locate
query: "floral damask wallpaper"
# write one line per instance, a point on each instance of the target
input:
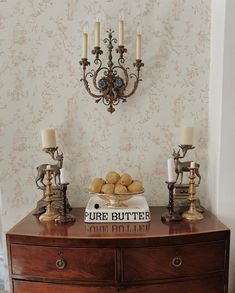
(40, 49)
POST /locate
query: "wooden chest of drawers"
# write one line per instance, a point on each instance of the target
(145, 257)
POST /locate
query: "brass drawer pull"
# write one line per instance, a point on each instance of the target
(60, 264)
(177, 262)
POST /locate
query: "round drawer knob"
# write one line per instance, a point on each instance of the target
(60, 264)
(177, 262)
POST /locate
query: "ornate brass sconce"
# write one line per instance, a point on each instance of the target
(111, 87)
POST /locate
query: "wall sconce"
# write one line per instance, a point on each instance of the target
(110, 86)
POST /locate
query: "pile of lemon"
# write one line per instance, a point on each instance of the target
(115, 183)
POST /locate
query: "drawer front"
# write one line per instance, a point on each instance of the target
(31, 287)
(92, 264)
(207, 285)
(169, 262)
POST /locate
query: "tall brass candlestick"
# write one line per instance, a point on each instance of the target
(50, 213)
(192, 213)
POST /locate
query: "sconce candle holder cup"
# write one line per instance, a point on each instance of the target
(110, 86)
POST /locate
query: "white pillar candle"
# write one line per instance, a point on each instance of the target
(192, 165)
(170, 167)
(138, 46)
(62, 176)
(48, 138)
(97, 32)
(186, 135)
(121, 33)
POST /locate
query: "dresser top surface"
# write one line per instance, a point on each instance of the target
(30, 226)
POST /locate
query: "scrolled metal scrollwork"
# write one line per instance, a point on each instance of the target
(107, 81)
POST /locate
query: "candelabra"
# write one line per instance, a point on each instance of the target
(110, 86)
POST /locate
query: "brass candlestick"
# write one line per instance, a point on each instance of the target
(171, 215)
(192, 213)
(50, 213)
(65, 216)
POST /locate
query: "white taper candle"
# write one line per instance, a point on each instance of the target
(97, 32)
(84, 45)
(170, 167)
(121, 33)
(138, 46)
(85, 41)
(62, 176)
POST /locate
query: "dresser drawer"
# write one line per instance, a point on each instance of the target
(91, 264)
(37, 287)
(169, 262)
(205, 285)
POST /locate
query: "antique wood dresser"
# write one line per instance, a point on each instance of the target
(184, 257)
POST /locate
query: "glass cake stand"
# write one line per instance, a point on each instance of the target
(116, 200)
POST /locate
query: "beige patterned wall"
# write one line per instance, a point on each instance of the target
(40, 48)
